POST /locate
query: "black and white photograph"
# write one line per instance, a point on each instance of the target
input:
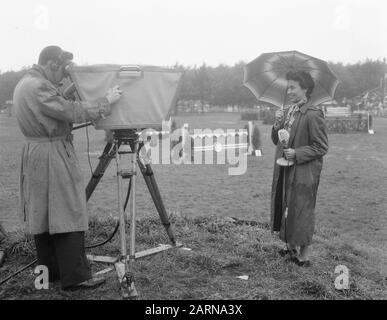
(212, 152)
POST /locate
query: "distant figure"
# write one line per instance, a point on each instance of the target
(308, 143)
(52, 192)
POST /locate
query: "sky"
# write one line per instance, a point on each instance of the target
(191, 32)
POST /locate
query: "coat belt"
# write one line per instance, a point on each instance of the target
(49, 139)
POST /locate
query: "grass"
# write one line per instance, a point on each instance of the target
(351, 224)
(222, 250)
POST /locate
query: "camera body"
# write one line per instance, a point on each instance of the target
(149, 93)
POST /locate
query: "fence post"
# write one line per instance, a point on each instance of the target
(370, 130)
(250, 135)
(251, 150)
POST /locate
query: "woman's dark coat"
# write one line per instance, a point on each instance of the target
(308, 136)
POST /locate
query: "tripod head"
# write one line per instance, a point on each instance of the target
(129, 137)
(126, 136)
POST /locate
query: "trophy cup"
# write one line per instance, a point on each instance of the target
(283, 136)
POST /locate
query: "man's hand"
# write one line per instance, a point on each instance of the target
(290, 154)
(114, 94)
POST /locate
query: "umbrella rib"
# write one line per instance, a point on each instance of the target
(322, 71)
(285, 63)
(310, 58)
(293, 57)
(280, 64)
(263, 93)
(326, 91)
(274, 68)
(306, 68)
(310, 68)
(266, 71)
(329, 72)
(302, 62)
(318, 69)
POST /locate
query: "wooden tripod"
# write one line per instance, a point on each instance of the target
(124, 263)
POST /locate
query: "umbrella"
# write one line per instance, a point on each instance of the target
(266, 76)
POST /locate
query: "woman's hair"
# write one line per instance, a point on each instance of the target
(304, 79)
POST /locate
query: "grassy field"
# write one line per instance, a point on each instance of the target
(351, 223)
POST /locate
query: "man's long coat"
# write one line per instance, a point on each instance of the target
(52, 191)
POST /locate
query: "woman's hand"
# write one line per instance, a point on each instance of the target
(279, 115)
(290, 154)
(279, 118)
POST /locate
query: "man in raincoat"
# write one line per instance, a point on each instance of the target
(308, 143)
(52, 191)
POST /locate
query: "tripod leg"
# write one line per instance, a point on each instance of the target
(126, 279)
(133, 213)
(147, 177)
(120, 206)
(104, 160)
(123, 268)
(151, 183)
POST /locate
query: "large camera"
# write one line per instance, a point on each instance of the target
(149, 93)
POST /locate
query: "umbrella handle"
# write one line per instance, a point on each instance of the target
(283, 105)
(285, 95)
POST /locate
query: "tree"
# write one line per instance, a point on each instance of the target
(203, 85)
(223, 85)
(358, 78)
(8, 82)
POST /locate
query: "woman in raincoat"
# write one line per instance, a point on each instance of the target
(308, 143)
(52, 192)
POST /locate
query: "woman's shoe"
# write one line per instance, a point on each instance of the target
(284, 252)
(305, 263)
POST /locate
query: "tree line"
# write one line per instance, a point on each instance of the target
(222, 85)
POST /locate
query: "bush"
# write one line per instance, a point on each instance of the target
(173, 125)
(249, 116)
(268, 117)
(256, 139)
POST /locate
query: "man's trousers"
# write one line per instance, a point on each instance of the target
(65, 257)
